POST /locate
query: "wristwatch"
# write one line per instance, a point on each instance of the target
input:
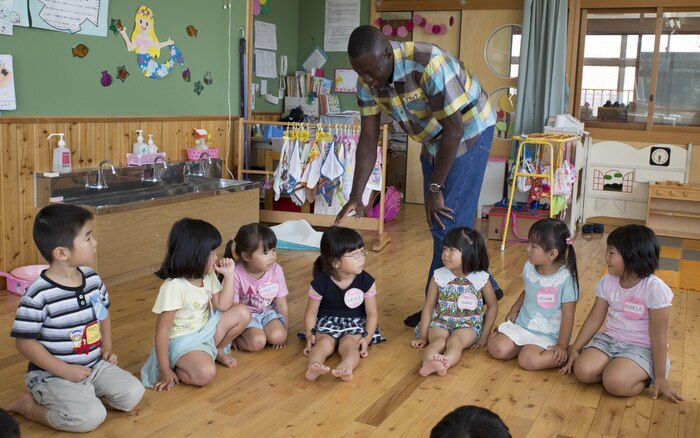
(436, 188)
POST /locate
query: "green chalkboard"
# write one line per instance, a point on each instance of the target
(50, 81)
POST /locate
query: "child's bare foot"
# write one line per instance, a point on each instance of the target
(445, 363)
(343, 372)
(224, 359)
(22, 405)
(316, 369)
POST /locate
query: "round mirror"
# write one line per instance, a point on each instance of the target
(503, 103)
(502, 51)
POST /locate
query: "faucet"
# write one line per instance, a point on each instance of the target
(100, 184)
(155, 177)
(201, 171)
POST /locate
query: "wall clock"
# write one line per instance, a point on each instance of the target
(660, 156)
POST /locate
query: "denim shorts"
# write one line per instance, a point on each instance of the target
(614, 348)
(260, 320)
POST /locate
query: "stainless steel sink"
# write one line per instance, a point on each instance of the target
(136, 192)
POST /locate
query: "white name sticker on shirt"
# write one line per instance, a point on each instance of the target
(467, 301)
(547, 297)
(634, 308)
(268, 291)
(354, 297)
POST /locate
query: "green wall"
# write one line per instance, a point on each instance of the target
(285, 14)
(311, 31)
(50, 81)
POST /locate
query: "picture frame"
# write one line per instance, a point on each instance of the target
(345, 80)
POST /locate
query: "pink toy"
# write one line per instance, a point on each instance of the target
(20, 278)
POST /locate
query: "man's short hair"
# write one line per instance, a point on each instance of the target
(364, 39)
(58, 225)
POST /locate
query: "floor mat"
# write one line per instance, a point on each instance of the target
(679, 263)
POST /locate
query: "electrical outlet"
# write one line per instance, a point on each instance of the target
(227, 5)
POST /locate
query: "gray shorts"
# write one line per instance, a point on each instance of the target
(77, 407)
(260, 320)
(614, 348)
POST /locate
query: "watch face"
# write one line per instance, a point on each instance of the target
(660, 156)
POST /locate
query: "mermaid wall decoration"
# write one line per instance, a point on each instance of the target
(147, 47)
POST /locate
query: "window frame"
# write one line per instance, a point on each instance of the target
(647, 126)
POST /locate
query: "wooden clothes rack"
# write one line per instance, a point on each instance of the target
(322, 220)
(539, 139)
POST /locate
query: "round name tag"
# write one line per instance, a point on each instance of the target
(634, 308)
(467, 301)
(354, 297)
(268, 291)
(547, 297)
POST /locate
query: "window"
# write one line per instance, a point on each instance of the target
(619, 66)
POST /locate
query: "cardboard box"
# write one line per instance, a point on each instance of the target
(523, 221)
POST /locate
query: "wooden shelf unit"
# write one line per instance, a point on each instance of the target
(673, 210)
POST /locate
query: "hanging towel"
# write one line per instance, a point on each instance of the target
(281, 173)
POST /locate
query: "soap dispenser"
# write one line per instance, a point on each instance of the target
(61, 155)
(152, 148)
(140, 147)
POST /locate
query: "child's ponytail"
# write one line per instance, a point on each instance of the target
(318, 266)
(571, 261)
(228, 251)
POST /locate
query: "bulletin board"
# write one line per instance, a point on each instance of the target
(51, 81)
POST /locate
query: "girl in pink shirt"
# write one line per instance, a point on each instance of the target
(631, 353)
(259, 284)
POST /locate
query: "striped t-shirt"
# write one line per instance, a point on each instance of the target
(62, 318)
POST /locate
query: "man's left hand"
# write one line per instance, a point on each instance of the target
(435, 209)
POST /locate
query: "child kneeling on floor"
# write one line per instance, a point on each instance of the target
(631, 353)
(63, 327)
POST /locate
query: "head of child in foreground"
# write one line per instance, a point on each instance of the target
(342, 251)
(464, 250)
(632, 250)
(470, 422)
(190, 251)
(550, 241)
(64, 230)
(255, 245)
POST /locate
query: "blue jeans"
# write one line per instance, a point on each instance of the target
(462, 189)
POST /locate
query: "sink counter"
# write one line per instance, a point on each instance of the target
(156, 194)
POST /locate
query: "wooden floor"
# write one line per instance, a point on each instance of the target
(267, 395)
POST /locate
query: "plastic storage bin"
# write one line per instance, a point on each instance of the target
(195, 154)
(141, 160)
(20, 278)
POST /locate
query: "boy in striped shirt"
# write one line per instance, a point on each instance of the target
(63, 327)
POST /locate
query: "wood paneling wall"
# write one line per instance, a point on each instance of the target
(24, 150)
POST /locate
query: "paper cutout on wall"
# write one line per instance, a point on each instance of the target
(106, 79)
(81, 50)
(12, 13)
(116, 26)
(147, 47)
(208, 79)
(86, 17)
(191, 31)
(198, 87)
(7, 84)
(122, 74)
(186, 75)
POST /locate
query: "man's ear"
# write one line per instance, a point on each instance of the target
(60, 253)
